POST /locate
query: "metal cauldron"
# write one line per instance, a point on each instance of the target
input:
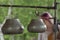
(37, 26)
(12, 26)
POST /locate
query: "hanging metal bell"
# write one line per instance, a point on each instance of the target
(37, 26)
(12, 26)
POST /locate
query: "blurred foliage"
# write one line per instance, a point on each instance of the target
(26, 14)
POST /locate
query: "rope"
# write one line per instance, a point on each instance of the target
(10, 8)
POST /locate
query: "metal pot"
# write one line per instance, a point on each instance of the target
(37, 26)
(12, 26)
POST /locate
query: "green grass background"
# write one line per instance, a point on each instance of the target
(26, 14)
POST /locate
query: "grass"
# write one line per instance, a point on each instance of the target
(26, 14)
